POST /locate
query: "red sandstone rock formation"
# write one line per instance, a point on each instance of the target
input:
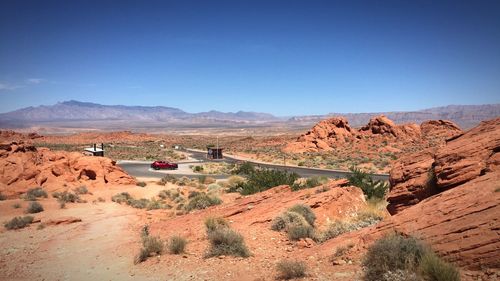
(419, 175)
(23, 166)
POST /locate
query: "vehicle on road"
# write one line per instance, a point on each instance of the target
(157, 165)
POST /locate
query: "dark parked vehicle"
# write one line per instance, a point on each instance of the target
(157, 165)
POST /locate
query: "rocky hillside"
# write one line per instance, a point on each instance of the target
(336, 132)
(466, 116)
(450, 198)
(23, 166)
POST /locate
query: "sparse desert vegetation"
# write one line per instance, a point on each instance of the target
(395, 255)
(19, 222)
(289, 269)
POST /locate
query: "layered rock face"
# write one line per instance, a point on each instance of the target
(336, 131)
(23, 166)
(450, 198)
(417, 176)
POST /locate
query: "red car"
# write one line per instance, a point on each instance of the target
(163, 165)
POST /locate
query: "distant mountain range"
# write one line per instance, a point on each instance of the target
(78, 114)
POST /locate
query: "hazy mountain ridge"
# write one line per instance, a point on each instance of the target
(81, 114)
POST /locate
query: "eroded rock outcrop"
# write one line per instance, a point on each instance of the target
(379, 132)
(323, 136)
(23, 166)
(419, 175)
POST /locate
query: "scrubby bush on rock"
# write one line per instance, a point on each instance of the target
(291, 269)
(214, 223)
(19, 222)
(202, 201)
(34, 207)
(395, 254)
(33, 193)
(227, 242)
(176, 244)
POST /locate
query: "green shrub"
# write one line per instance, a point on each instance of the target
(141, 184)
(202, 201)
(214, 223)
(246, 168)
(176, 245)
(34, 207)
(227, 242)
(432, 268)
(291, 269)
(81, 190)
(371, 188)
(391, 253)
(213, 187)
(197, 169)
(33, 193)
(309, 182)
(261, 180)
(19, 222)
(297, 232)
(305, 211)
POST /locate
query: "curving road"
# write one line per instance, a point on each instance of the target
(142, 169)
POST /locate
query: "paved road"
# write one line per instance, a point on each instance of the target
(142, 169)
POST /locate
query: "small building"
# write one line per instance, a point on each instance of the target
(94, 151)
(214, 153)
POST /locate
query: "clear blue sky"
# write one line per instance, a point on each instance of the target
(283, 57)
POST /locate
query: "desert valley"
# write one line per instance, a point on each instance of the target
(250, 140)
(223, 221)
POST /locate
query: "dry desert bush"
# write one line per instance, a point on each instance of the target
(289, 269)
(19, 222)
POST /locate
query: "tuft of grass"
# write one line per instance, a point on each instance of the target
(16, 206)
(33, 193)
(202, 201)
(176, 244)
(286, 219)
(34, 207)
(141, 184)
(432, 268)
(225, 241)
(100, 199)
(289, 269)
(81, 190)
(342, 250)
(214, 223)
(2, 197)
(151, 245)
(19, 222)
(297, 232)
